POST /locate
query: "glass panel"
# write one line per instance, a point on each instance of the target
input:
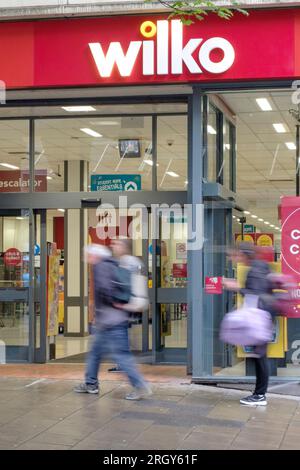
(173, 332)
(172, 153)
(14, 158)
(14, 282)
(227, 156)
(212, 144)
(117, 153)
(172, 268)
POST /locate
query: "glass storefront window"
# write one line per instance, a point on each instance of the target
(172, 269)
(14, 284)
(116, 153)
(14, 159)
(211, 148)
(172, 153)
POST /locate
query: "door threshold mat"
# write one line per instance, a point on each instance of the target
(279, 388)
(81, 359)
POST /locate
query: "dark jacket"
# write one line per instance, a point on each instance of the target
(258, 283)
(106, 316)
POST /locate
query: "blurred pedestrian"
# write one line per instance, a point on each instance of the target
(257, 284)
(112, 286)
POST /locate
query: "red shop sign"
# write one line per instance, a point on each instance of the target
(213, 285)
(179, 270)
(12, 257)
(150, 49)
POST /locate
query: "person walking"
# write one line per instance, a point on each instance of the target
(112, 287)
(257, 284)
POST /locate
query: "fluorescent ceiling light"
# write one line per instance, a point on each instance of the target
(20, 218)
(173, 174)
(280, 128)
(234, 217)
(49, 177)
(105, 123)
(267, 223)
(264, 104)
(61, 210)
(247, 212)
(211, 130)
(78, 109)
(291, 145)
(254, 216)
(8, 165)
(150, 162)
(90, 132)
(260, 220)
(272, 226)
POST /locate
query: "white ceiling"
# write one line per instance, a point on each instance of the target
(265, 166)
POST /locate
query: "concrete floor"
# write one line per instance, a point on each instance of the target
(44, 413)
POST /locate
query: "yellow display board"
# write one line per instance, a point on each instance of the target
(53, 294)
(61, 307)
(278, 347)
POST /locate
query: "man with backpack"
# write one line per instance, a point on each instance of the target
(113, 296)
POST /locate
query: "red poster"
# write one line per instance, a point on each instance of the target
(18, 181)
(179, 270)
(213, 285)
(12, 257)
(290, 239)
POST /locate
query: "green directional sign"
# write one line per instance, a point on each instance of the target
(116, 183)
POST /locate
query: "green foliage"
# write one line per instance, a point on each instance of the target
(189, 11)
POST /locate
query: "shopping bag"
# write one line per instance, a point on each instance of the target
(248, 325)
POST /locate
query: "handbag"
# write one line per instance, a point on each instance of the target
(248, 325)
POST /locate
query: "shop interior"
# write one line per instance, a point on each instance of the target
(265, 171)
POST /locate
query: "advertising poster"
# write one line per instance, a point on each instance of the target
(52, 290)
(213, 285)
(181, 252)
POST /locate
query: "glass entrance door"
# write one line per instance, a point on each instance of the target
(20, 287)
(14, 286)
(170, 310)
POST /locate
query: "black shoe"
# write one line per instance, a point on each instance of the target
(115, 369)
(86, 388)
(254, 400)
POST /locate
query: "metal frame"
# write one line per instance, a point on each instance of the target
(196, 191)
(195, 258)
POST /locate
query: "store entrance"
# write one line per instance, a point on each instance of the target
(20, 282)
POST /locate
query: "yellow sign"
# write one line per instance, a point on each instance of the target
(247, 238)
(277, 348)
(264, 240)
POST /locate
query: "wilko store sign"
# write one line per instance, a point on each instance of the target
(18, 181)
(137, 50)
(12, 257)
(194, 53)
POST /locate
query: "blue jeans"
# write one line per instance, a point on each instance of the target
(112, 341)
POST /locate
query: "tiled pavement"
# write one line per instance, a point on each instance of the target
(46, 414)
